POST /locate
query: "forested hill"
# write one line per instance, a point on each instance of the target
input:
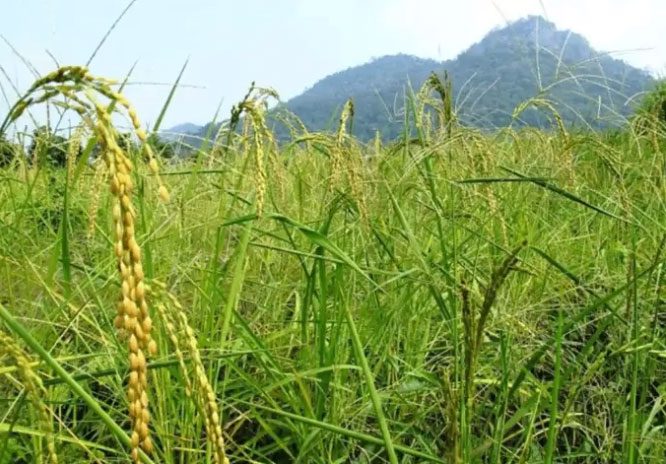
(490, 79)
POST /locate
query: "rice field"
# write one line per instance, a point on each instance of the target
(454, 296)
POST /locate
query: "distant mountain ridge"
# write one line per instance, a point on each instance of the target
(527, 58)
(180, 130)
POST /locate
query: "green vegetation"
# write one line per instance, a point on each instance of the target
(454, 296)
(651, 114)
(7, 152)
(47, 147)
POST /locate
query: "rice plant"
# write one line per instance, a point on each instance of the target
(454, 296)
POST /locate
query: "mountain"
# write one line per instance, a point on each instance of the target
(527, 58)
(180, 130)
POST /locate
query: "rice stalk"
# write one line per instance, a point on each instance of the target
(183, 339)
(255, 105)
(95, 193)
(77, 85)
(34, 389)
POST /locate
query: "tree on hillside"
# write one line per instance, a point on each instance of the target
(48, 147)
(7, 152)
(162, 148)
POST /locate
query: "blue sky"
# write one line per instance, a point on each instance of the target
(285, 44)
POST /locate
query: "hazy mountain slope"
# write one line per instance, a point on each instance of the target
(490, 79)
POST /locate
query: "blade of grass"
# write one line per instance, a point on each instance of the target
(346, 432)
(160, 116)
(568, 195)
(555, 392)
(108, 32)
(370, 383)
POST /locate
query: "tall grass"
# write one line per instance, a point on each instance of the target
(455, 296)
